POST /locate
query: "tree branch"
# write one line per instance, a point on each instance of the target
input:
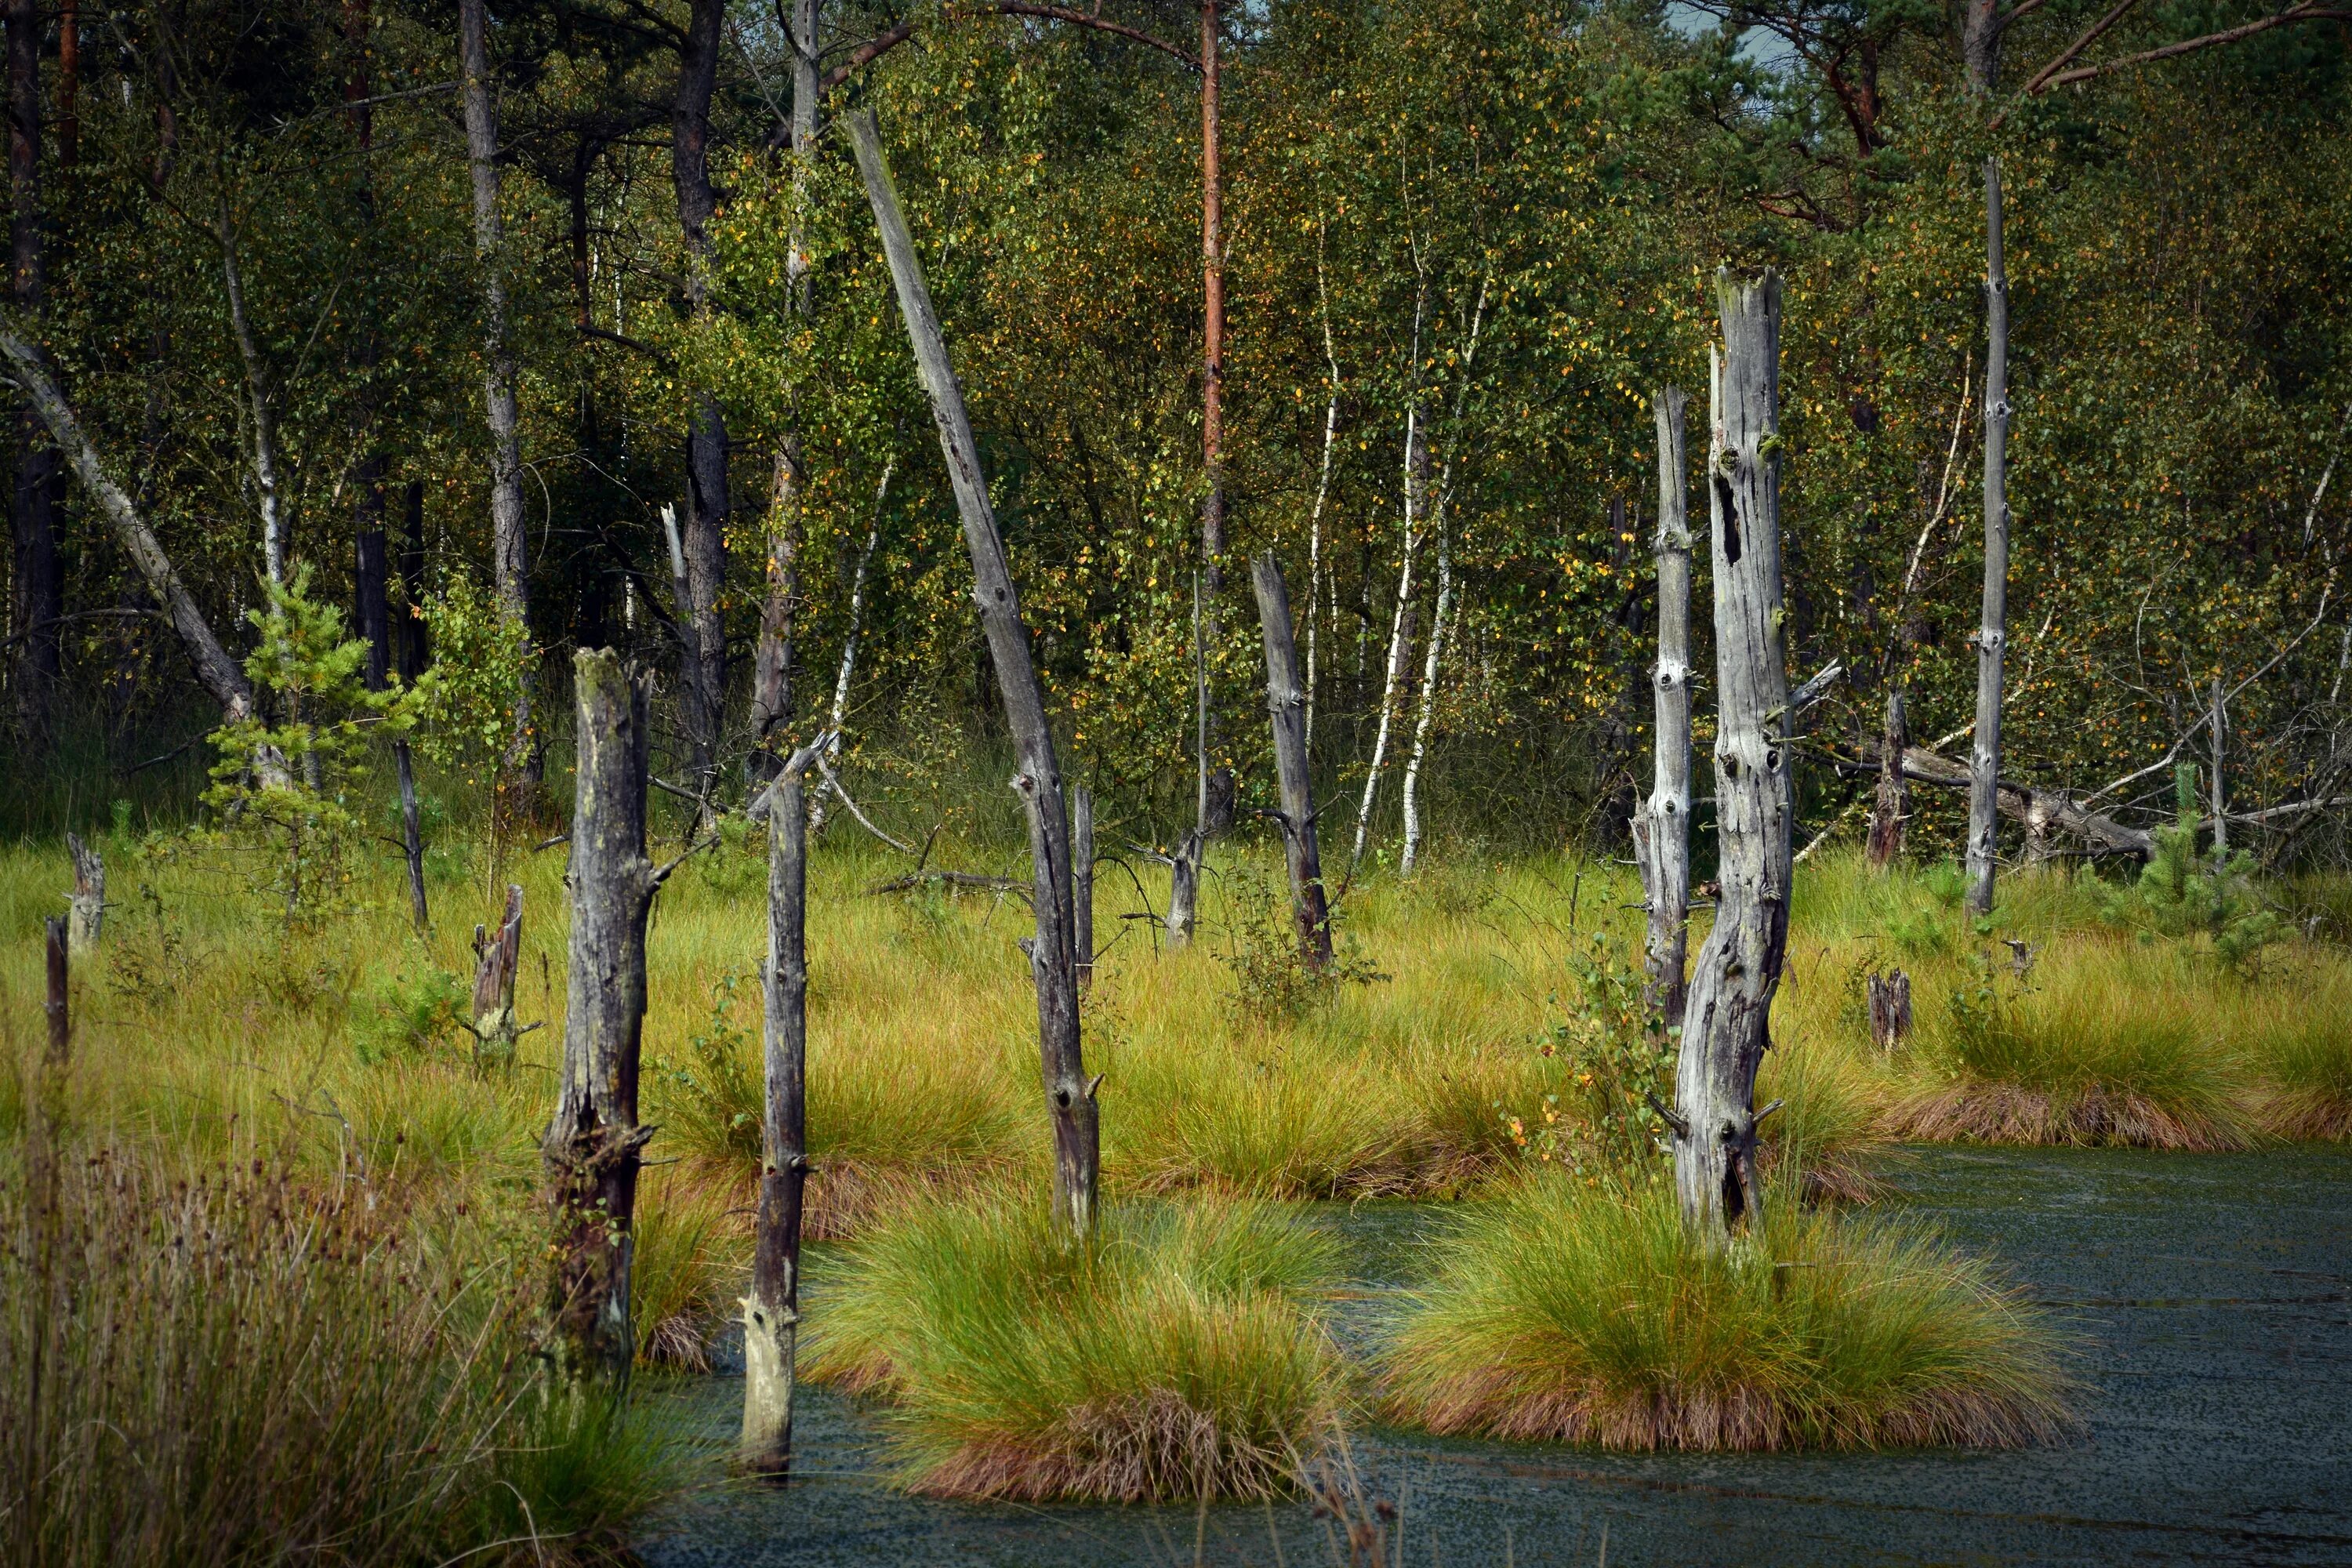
(2307, 11)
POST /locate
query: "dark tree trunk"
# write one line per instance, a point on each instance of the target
(705, 433)
(1069, 1092)
(594, 1145)
(1285, 703)
(1981, 26)
(369, 584)
(1993, 635)
(771, 1312)
(410, 647)
(1662, 823)
(1724, 1023)
(39, 595)
(57, 1004)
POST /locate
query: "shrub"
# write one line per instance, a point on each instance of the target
(409, 1013)
(1273, 982)
(1566, 1313)
(2181, 893)
(714, 1100)
(1175, 1355)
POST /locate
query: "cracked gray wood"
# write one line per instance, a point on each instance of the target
(1662, 823)
(1053, 959)
(1725, 1018)
(1992, 634)
(1285, 706)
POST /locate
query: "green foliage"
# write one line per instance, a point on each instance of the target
(1564, 1313)
(713, 1101)
(412, 1013)
(1605, 1062)
(1273, 981)
(1175, 1355)
(465, 717)
(2182, 893)
(284, 784)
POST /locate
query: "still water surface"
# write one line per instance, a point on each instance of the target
(2213, 1299)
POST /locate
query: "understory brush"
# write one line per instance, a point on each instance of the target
(1177, 1355)
(1589, 1315)
(231, 1366)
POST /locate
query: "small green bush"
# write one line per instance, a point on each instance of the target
(1566, 1313)
(712, 1102)
(1177, 1355)
(411, 1014)
(2182, 893)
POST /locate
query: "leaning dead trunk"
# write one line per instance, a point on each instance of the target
(86, 905)
(771, 1312)
(1070, 1094)
(1285, 703)
(221, 676)
(496, 961)
(593, 1145)
(1984, 754)
(1662, 823)
(1725, 1024)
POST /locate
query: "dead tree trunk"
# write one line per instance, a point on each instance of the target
(408, 649)
(1892, 809)
(1662, 823)
(56, 1004)
(1725, 1024)
(496, 961)
(772, 1312)
(1285, 703)
(1082, 882)
(221, 676)
(1184, 865)
(1992, 636)
(86, 905)
(772, 662)
(508, 559)
(1053, 958)
(593, 1145)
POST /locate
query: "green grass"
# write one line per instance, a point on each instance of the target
(1179, 1355)
(1574, 1314)
(2298, 1032)
(2113, 1043)
(227, 1364)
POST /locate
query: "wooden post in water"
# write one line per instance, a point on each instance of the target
(1725, 1019)
(1053, 957)
(771, 1312)
(594, 1145)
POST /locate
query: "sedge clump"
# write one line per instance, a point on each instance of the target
(1573, 1314)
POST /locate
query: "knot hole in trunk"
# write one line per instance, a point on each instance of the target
(1723, 498)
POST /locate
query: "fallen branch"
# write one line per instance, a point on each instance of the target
(2036, 807)
(914, 880)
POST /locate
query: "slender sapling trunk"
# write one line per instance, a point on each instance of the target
(1993, 635)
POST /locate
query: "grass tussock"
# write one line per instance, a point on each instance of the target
(2090, 1053)
(231, 1367)
(1564, 1313)
(1177, 1355)
(2299, 1034)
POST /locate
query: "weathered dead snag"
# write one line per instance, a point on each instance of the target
(1662, 823)
(86, 905)
(771, 1311)
(1724, 1023)
(1053, 957)
(1285, 703)
(1993, 635)
(495, 960)
(1890, 1009)
(594, 1145)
